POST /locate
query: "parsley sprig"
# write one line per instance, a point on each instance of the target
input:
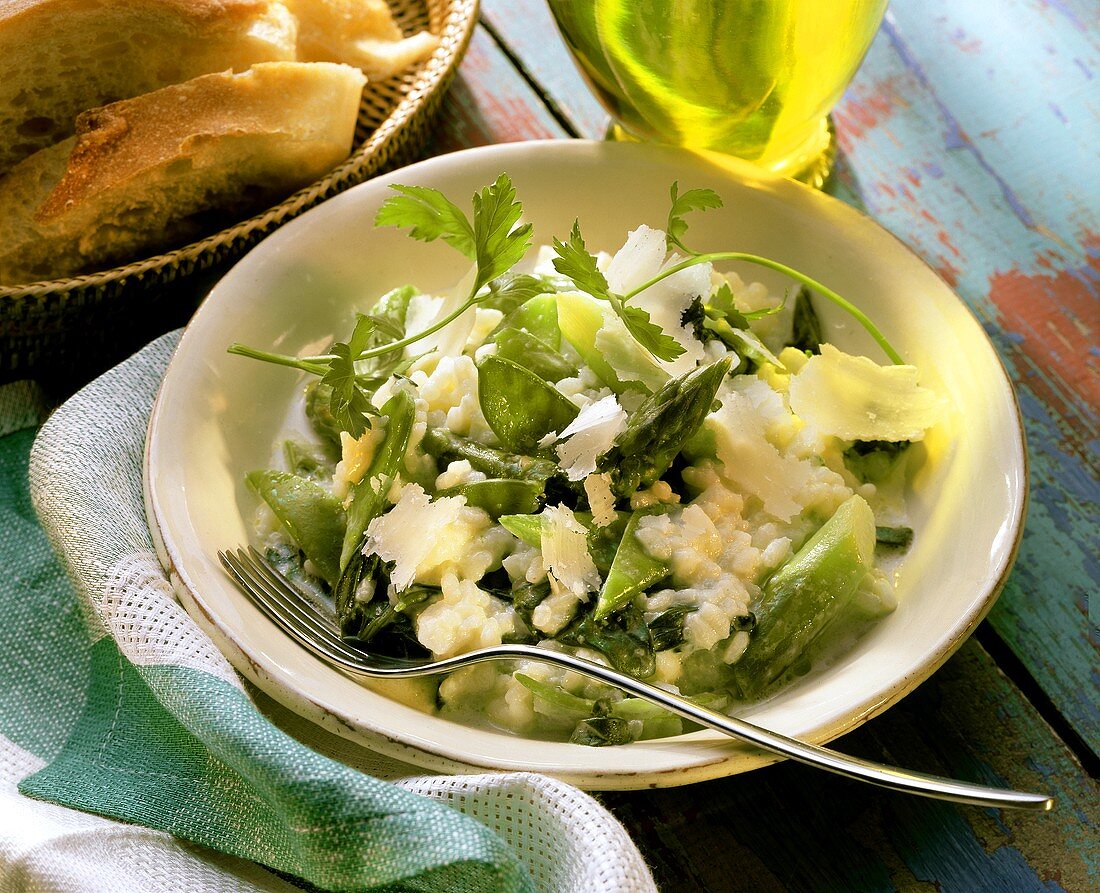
(494, 240)
(705, 199)
(574, 262)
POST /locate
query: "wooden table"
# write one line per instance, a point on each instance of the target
(971, 132)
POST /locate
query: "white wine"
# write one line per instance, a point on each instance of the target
(752, 78)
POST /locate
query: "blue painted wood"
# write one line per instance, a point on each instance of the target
(1018, 241)
(489, 102)
(527, 29)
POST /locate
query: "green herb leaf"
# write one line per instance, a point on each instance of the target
(348, 404)
(509, 291)
(499, 243)
(430, 216)
(648, 334)
(606, 731)
(692, 200)
(574, 262)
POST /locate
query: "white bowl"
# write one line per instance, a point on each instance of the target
(217, 416)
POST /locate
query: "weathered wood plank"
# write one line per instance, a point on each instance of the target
(488, 103)
(527, 29)
(1021, 249)
(791, 828)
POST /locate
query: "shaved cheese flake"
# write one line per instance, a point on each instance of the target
(597, 487)
(565, 552)
(451, 339)
(638, 260)
(421, 535)
(589, 436)
(854, 398)
(751, 461)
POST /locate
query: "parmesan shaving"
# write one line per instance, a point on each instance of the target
(565, 552)
(589, 436)
(421, 535)
(597, 488)
(854, 398)
(752, 462)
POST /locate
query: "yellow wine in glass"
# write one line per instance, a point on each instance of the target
(751, 78)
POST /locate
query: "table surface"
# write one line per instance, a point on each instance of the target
(974, 139)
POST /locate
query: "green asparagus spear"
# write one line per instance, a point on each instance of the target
(443, 445)
(806, 593)
(368, 496)
(500, 496)
(657, 431)
(310, 514)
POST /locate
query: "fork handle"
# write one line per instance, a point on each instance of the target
(879, 774)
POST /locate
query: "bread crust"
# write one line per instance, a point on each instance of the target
(119, 141)
(203, 12)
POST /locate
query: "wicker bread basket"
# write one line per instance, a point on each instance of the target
(62, 331)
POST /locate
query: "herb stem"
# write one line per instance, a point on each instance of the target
(828, 293)
(306, 364)
(404, 342)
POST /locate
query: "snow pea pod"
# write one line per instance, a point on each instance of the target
(310, 514)
(527, 528)
(805, 594)
(500, 496)
(633, 571)
(603, 542)
(525, 349)
(368, 496)
(537, 316)
(519, 406)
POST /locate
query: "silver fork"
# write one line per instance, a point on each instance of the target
(284, 604)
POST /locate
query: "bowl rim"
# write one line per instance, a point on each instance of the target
(440, 756)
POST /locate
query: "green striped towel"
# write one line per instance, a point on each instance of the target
(132, 758)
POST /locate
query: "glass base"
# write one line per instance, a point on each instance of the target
(816, 173)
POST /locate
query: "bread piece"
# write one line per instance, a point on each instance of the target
(60, 57)
(362, 33)
(142, 173)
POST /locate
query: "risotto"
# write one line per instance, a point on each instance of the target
(632, 456)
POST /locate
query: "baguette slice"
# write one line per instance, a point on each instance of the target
(145, 172)
(362, 33)
(60, 57)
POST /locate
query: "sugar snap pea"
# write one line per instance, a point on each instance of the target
(444, 446)
(368, 496)
(805, 594)
(531, 352)
(633, 571)
(500, 496)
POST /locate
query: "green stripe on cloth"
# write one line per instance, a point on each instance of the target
(217, 773)
(43, 643)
